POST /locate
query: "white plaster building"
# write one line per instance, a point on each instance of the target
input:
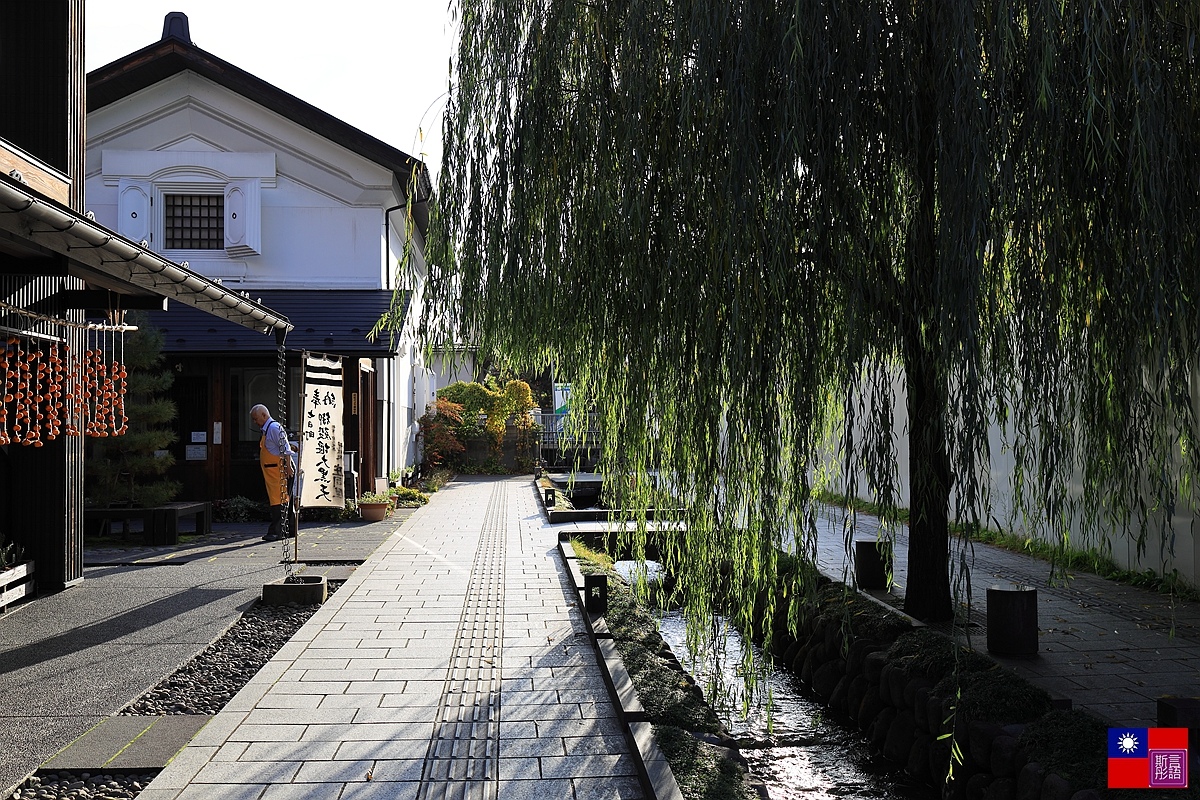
(265, 194)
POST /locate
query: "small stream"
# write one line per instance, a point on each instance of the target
(803, 754)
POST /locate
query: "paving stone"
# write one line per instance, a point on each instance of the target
(515, 789)
(523, 748)
(615, 788)
(300, 716)
(586, 765)
(158, 745)
(100, 744)
(264, 733)
(240, 772)
(599, 744)
(286, 751)
(343, 771)
(303, 791)
(395, 750)
(200, 791)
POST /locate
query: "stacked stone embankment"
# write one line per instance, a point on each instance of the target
(928, 705)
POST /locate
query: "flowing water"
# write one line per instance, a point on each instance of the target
(795, 749)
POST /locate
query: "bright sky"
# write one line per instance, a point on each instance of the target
(379, 65)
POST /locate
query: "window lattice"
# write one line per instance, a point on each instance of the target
(195, 221)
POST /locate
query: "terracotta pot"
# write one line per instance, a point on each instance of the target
(373, 512)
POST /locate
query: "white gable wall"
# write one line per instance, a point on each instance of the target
(316, 208)
(321, 212)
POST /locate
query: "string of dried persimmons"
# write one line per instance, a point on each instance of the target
(52, 390)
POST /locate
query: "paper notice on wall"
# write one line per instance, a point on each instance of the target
(323, 481)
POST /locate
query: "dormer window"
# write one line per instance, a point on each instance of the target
(194, 221)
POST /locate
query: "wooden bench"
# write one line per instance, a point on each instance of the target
(160, 524)
(169, 514)
(16, 583)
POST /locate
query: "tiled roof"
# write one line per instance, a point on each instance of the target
(326, 321)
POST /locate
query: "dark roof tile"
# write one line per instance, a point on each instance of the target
(327, 321)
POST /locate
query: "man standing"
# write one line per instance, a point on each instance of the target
(276, 458)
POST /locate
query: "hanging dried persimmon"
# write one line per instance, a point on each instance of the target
(121, 388)
(92, 404)
(53, 392)
(7, 396)
(33, 411)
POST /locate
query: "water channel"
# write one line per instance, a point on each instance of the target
(799, 752)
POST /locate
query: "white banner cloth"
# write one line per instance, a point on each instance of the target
(324, 483)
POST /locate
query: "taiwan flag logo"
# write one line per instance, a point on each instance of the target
(1147, 758)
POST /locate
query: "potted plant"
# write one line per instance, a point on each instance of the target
(374, 506)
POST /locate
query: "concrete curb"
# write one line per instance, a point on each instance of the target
(654, 773)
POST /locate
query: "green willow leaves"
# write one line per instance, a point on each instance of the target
(735, 224)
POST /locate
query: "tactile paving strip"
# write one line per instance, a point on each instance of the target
(463, 756)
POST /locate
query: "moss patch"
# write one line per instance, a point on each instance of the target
(933, 655)
(858, 616)
(995, 695)
(1070, 743)
(700, 769)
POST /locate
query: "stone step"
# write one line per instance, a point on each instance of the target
(129, 743)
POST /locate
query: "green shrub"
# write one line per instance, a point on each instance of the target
(440, 442)
(409, 498)
(469, 401)
(437, 479)
(240, 509)
(330, 514)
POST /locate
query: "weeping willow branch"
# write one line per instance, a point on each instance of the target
(733, 224)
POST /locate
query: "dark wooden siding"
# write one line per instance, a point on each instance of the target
(35, 80)
(42, 487)
(77, 104)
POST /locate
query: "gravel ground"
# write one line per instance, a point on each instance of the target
(82, 786)
(202, 686)
(210, 680)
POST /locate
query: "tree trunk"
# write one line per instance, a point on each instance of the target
(927, 595)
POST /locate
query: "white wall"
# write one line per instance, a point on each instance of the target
(1186, 557)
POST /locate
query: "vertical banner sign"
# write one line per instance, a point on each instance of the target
(321, 454)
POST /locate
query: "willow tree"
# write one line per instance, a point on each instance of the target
(735, 223)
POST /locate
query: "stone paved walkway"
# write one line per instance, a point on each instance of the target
(1111, 649)
(70, 660)
(452, 664)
